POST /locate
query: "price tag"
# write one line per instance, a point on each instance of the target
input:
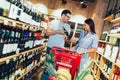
(5, 22)
(23, 26)
(14, 59)
(7, 61)
(24, 55)
(20, 56)
(13, 24)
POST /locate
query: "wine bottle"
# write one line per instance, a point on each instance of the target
(105, 66)
(2, 70)
(102, 77)
(109, 68)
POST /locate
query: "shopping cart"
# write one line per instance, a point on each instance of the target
(66, 58)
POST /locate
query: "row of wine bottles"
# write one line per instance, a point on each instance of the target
(22, 12)
(107, 67)
(14, 40)
(110, 49)
(113, 7)
(97, 71)
(14, 68)
(102, 77)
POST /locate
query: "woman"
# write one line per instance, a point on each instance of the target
(88, 41)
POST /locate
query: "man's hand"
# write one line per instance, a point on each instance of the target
(65, 37)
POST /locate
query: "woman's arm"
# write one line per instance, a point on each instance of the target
(91, 50)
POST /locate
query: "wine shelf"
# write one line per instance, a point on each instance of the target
(32, 68)
(18, 54)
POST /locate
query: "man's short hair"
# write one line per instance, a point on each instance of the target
(65, 12)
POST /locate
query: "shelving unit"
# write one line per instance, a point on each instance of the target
(93, 74)
(10, 20)
(19, 54)
(104, 62)
(14, 23)
(108, 58)
(115, 35)
(33, 68)
(27, 57)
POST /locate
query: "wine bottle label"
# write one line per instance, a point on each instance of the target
(10, 48)
(19, 71)
(17, 50)
(12, 33)
(16, 34)
(105, 67)
(15, 46)
(108, 71)
(26, 44)
(5, 49)
(11, 12)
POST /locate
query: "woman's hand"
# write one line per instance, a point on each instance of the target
(72, 40)
(81, 52)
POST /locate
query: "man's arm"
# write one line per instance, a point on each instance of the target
(50, 32)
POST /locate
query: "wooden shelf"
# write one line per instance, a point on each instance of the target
(99, 53)
(96, 64)
(117, 20)
(93, 74)
(11, 20)
(105, 74)
(106, 57)
(115, 35)
(32, 69)
(109, 18)
(102, 41)
(14, 23)
(117, 65)
(18, 54)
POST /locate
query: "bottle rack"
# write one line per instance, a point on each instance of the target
(7, 70)
(104, 65)
(22, 41)
(14, 23)
(40, 60)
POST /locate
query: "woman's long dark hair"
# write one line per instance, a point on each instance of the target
(90, 22)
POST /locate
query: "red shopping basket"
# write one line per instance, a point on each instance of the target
(67, 59)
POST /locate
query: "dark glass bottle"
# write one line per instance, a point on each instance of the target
(109, 68)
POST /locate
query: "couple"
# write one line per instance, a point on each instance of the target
(58, 31)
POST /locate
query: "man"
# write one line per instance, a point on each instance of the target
(58, 31)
